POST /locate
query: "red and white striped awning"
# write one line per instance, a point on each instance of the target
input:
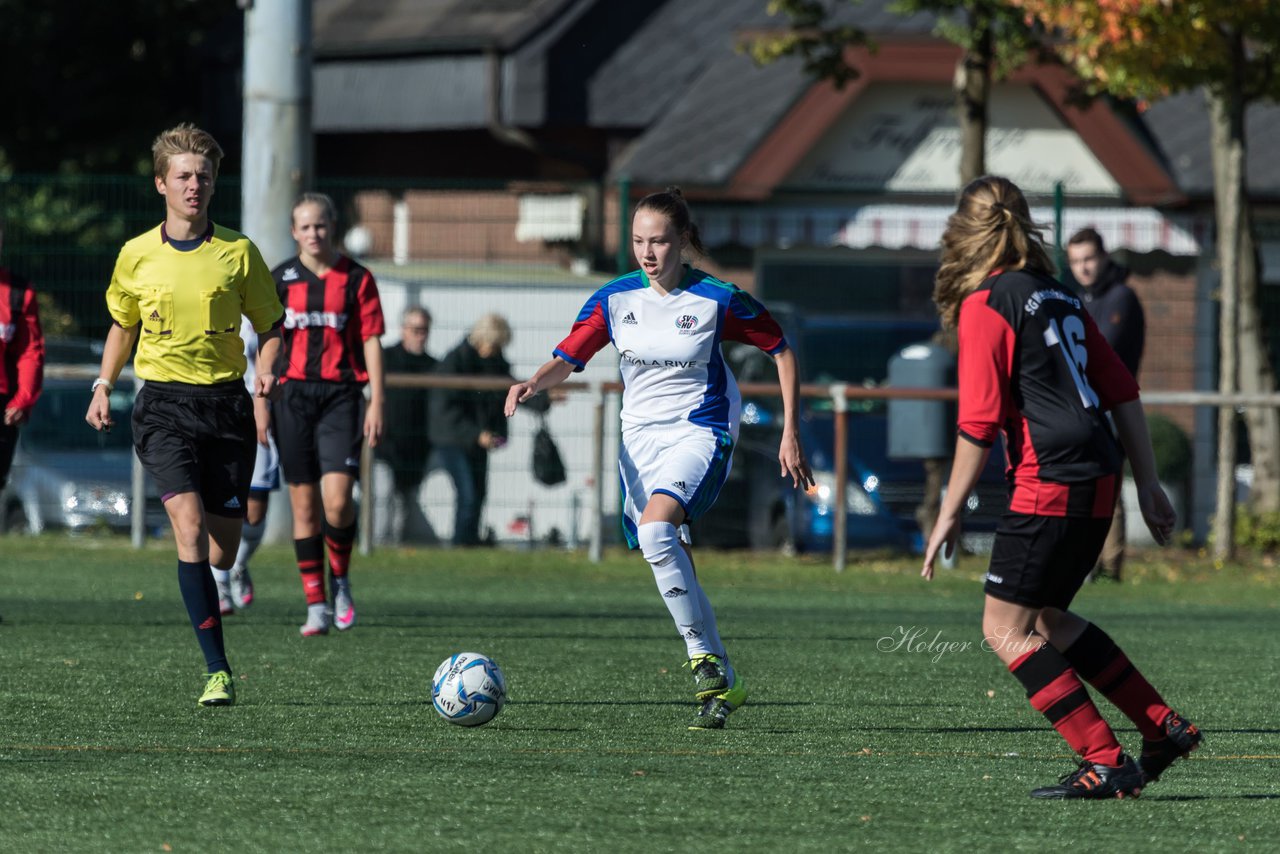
(921, 227)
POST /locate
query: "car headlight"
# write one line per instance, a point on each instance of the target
(856, 499)
(94, 499)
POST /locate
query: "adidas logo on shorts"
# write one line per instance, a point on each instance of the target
(679, 484)
(630, 319)
(232, 504)
(675, 593)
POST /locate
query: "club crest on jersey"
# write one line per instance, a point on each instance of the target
(686, 323)
(304, 319)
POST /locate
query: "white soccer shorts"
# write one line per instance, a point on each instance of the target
(266, 468)
(687, 461)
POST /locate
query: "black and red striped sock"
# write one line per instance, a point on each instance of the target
(1056, 692)
(340, 542)
(309, 552)
(1101, 663)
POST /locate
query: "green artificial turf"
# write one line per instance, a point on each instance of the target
(850, 738)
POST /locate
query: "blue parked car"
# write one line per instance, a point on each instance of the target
(758, 509)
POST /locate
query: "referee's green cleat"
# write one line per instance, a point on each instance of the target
(714, 710)
(219, 690)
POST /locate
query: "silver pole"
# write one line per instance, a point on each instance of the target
(596, 550)
(277, 159)
(138, 509)
(840, 536)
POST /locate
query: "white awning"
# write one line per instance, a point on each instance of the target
(921, 227)
(550, 218)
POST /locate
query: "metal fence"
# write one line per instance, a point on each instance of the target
(466, 249)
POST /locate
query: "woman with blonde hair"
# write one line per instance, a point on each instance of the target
(332, 350)
(1033, 365)
(466, 425)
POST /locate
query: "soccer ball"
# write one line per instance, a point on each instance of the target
(468, 689)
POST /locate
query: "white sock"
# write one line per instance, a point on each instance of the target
(673, 572)
(250, 539)
(710, 629)
(316, 613)
(222, 576)
(708, 614)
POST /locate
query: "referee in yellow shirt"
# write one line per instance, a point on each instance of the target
(178, 292)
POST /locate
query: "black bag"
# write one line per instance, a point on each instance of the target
(548, 468)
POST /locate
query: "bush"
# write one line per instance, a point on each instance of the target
(1259, 531)
(1172, 449)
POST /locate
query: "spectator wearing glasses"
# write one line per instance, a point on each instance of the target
(409, 447)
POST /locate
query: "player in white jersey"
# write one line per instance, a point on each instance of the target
(235, 586)
(680, 409)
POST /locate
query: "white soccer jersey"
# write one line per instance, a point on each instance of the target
(672, 367)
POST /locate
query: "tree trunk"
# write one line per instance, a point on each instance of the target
(1257, 375)
(1226, 117)
(972, 87)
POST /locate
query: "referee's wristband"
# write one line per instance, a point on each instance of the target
(100, 381)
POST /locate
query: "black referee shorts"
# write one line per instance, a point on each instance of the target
(318, 428)
(197, 438)
(1042, 561)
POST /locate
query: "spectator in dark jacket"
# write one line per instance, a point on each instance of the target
(409, 445)
(1111, 303)
(466, 425)
(1117, 312)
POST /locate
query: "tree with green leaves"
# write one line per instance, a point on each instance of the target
(994, 37)
(1146, 49)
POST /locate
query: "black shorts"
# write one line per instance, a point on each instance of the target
(1041, 561)
(195, 438)
(8, 441)
(8, 444)
(318, 428)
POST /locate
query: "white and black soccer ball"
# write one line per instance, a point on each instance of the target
(468, 689)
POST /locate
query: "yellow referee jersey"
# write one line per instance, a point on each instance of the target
(190, 303)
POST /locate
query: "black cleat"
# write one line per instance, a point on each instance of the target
(1181, 737)
(710, 676)
(1095, 781)
(715, 709)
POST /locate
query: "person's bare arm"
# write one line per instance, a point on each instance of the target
(115, 353)
(551, 374)
(966, 468)
(1157, 511)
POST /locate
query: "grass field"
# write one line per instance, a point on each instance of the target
(847, 742)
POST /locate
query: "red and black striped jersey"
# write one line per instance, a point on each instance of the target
(327, 320)
(1033, 364)
(21, 343)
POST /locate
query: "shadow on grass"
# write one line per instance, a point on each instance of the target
(1257, 797)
